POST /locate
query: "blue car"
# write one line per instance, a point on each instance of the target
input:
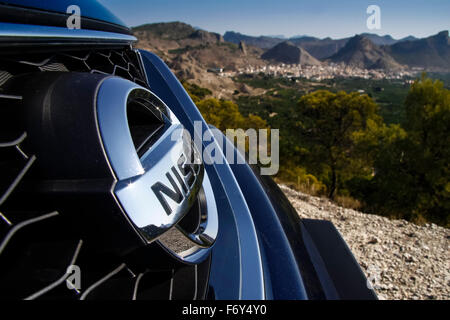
(103, 195)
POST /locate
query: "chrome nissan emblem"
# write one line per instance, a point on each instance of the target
(157, 188)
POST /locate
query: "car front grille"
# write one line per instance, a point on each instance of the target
(123, 63)
(36, 246)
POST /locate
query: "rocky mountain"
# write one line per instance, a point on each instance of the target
(287, 52)
(432, 53)
(263, 42)
(192, 53)
(362, 53)
(177, 41)
(318, 48)
(408, 38)
(380, 40)
(386, 40)
(166, 31)
(206, 37)
(176, 32)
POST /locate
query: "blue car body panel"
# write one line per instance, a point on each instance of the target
(237, 262)
(89, 8)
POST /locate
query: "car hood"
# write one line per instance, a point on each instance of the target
(89, 8)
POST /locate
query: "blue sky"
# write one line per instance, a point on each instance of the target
(319, 18)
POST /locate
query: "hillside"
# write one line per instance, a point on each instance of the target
(362, 53)
(432, 53)
(379, 40)
(198, 56)
(192, 53)
(166, 31)
(318, 48)
(174, 37)
(289, 53)
(401, 260)
(386, 39)
(263, 42)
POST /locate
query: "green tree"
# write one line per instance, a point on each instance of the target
(196, 92)
(428, 153)
(221, 114)
(225, 115)
(327, 123)
(387, 191)
(412, 174)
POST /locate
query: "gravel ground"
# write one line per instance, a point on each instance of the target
(401, 260)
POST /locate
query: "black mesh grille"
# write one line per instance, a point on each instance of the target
(36, 246)
(122, 63)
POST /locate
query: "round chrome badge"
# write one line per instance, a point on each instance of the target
(161, 181)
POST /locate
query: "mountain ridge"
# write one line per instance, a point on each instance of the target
(196, 55)
(432, 53)
(361, 52)
(405, 51)
(235, 50)
(287, 52)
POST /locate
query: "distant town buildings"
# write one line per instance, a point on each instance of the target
(319, 73)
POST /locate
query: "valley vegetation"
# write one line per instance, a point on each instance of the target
(378, 144)
(345, 146)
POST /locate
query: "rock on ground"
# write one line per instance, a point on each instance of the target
(401, 260)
